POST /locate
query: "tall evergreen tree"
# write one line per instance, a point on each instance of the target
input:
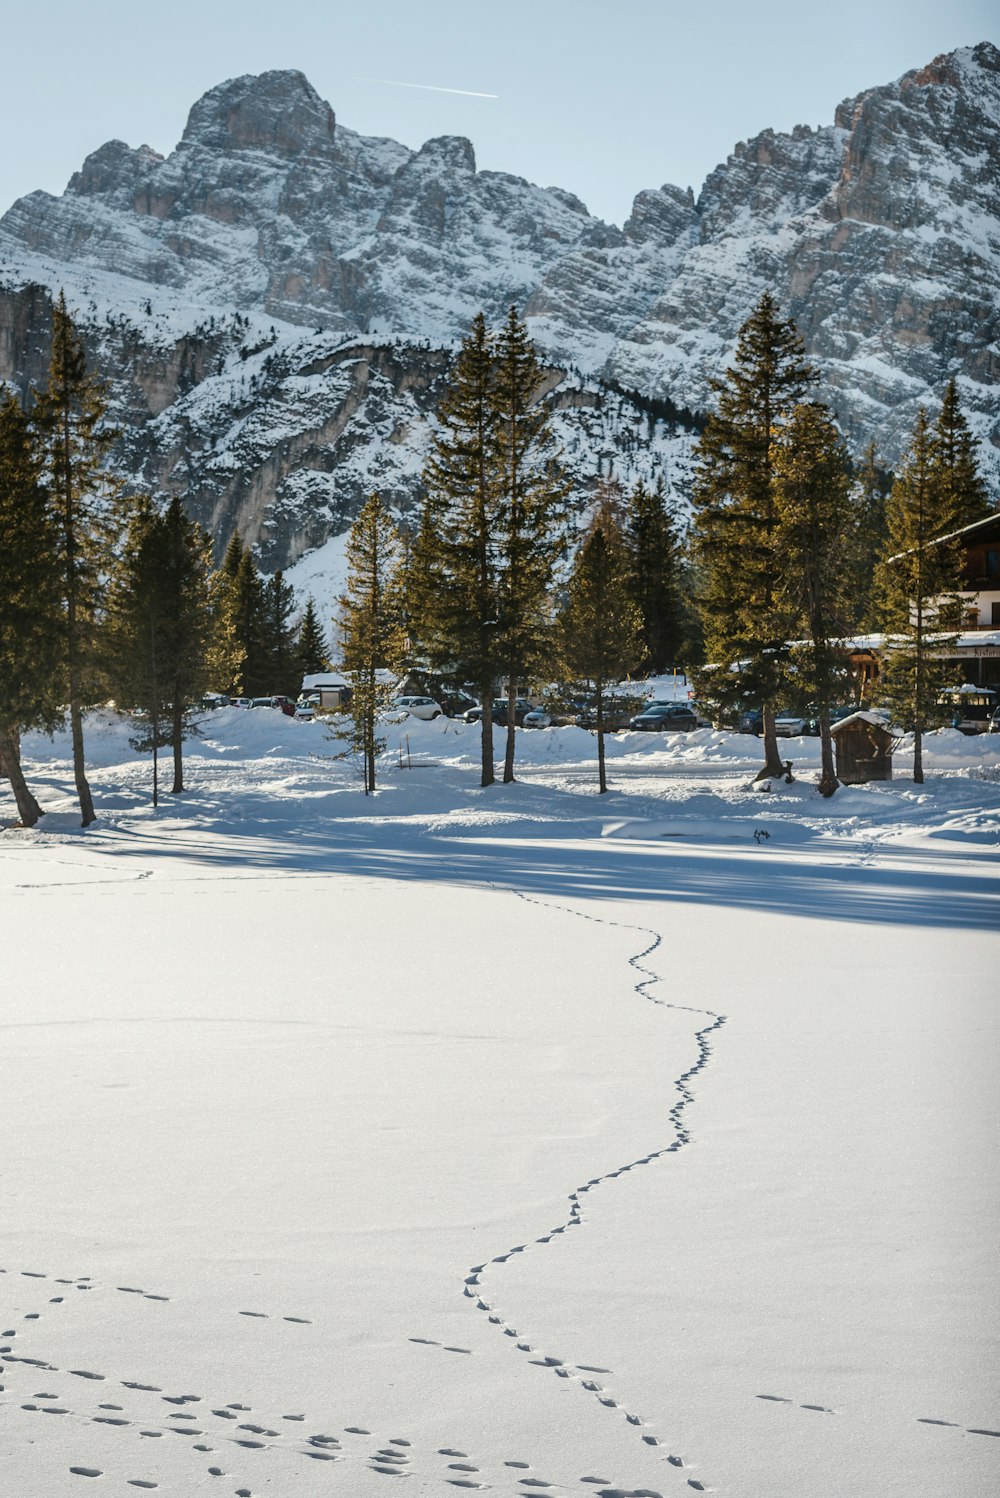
(600, 626)
(653, 548)
(917, 584)
(244, 594)
(745, 619)
(370, 615)
(133, 645)
(165, 632)
(280, 657)
(963, 498)
(312, 650)
(31, 617)
(70, 416)
(531, 514)
(453, 570)
(233, 557)
(861, 552)
(816, 520)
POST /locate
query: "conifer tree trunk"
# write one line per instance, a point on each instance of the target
(827, 774)
(508, 762)
(370, 736)
(486, 698)
(87, 812)
(177, 739)
(773, 763)
(156, 757)
(10, 762)
(602, 778)
(918, 697)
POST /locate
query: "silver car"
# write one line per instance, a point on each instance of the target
(418, 707)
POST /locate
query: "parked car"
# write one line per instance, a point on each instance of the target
(285, 704)
(456, 704)
(750, 720)
(615, 717)
(241, 702)
(668, 717)
(522, 705)
(789, 725)
(418, 707)
(305, 708)
(539, 717)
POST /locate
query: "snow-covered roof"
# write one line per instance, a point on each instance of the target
(861, 716)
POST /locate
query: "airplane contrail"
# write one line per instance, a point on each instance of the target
(468, 93)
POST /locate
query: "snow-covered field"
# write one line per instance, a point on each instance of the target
(516, 1139)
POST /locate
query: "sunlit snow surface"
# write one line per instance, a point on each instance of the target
(516, 1139)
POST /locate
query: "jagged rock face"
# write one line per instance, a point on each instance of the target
(879, 234)
(267, 203)
(286, 444)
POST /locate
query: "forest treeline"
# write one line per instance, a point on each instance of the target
(506, 578)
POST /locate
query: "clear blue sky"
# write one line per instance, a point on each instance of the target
(602, 97)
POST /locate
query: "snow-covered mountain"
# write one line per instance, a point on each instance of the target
(275, 302)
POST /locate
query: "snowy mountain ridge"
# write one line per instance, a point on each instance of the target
(195, 277)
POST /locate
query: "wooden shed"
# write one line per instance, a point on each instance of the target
(864, 748)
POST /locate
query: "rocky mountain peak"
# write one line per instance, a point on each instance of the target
(661, 215)
(770, 178)
(879, 234)
(446, 153)
(111, 167)
(278, 112)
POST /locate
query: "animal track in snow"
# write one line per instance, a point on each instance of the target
(472, 1281)
(139, 1419)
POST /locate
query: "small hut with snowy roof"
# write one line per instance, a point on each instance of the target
(864, 748)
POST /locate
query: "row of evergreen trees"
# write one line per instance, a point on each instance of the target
(476, 596)
(789, 544)
(792, 549)
(104, 594)
(100, 594)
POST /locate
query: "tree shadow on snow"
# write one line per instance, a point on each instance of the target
(554, 862)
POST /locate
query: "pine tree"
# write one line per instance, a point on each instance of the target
(70, 417)
(370, 614)
(233, 557)
(815, 521)
(655, 575)
(531, 515)
(861, 552)
(452, 574)
(31, 619)
(279, 655)
(917, 583)
(745, 622)
(132, 640)
(166, 642)
(963, 498)
(600, 626)
(244, 594)
(312, 650)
